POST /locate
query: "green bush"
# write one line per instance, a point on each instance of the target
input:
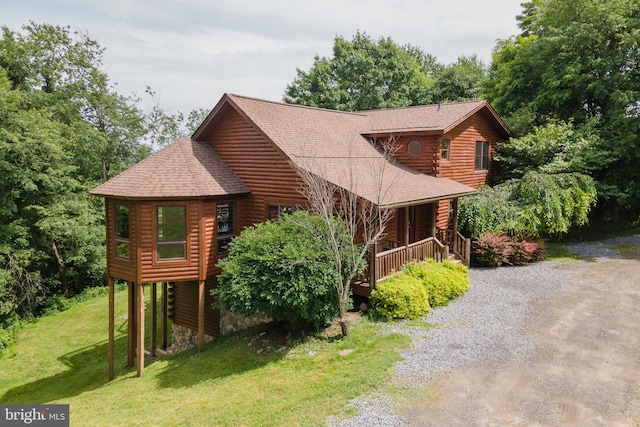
(443, 281)
(399, 297)
(7, 339)
(280, 269)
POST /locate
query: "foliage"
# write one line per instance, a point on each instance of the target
(443, 281)
(491, 250)
(555, 147)
(577, 61)
(63, 130)
(366, 74)
(400, 296)
(281, 269)
(539, 204)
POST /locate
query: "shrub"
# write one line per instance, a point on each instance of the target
(443, 281)
(399, 297)
(493, 250)
(7, 338)
(281, 270)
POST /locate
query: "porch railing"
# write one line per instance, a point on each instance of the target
(393, 260)
(459, 244)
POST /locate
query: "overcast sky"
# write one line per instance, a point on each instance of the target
(191, 52)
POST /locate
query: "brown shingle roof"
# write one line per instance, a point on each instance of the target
(185, 168)
(332, 144)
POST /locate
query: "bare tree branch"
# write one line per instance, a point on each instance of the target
(364, 219)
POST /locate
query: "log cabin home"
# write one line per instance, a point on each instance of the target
(171, 217)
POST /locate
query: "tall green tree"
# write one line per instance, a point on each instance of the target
(365, 74)
(577, 61)
(63, 130)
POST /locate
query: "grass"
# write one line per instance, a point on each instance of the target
(252, 378)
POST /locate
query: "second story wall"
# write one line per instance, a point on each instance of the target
(258, 164)
(461, 166)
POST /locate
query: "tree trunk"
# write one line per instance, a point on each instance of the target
(62, 270)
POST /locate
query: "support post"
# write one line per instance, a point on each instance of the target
(372, 266)
(140, 334)
(154, 317)
(200, 314)
(131, 323)
(455, 225)
(434, 218)
(111, 356)
(165, 313)
(406, 233)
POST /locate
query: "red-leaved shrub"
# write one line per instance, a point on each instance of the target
(492, 250)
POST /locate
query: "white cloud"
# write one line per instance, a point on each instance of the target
(190, 52)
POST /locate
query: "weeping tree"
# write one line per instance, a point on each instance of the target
(536, 205)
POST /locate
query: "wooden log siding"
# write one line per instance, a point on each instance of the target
(245, 150)
(461, 166)
(117, 267)
(183, 307)
(153, 270)
(424, 162)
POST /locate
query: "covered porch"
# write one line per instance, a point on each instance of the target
(391, 255)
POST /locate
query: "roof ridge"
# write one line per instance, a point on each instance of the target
(307, 107)
(425, 105)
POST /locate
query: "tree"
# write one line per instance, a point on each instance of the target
(538, 204)
(577, 61)
(555, 147)
(280, 269)
(365, 74)
(343, 211)
(459, 81)
(63, 130)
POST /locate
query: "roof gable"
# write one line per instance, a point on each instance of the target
(335, 146)
(184, 168)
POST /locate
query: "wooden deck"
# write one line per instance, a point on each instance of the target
(390, 261)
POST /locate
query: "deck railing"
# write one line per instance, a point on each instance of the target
(458, 244)
(393, 260)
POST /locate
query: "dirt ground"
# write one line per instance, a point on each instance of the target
(584, 370)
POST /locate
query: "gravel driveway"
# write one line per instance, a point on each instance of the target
(546, 344)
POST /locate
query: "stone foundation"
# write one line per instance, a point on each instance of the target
(232, 322)
(184, 338)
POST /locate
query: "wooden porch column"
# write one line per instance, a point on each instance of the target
(372, 266)
(131, 323)
(200, 314)
(154, 317)
(140, 333)
(406, 231)
(165, 313)
(434, 218)
(455, 224)
(111, 326)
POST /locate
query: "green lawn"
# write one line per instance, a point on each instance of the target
(241, 379)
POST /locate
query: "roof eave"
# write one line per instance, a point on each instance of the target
(426, 200)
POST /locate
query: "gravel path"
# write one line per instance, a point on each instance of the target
(489, 323)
